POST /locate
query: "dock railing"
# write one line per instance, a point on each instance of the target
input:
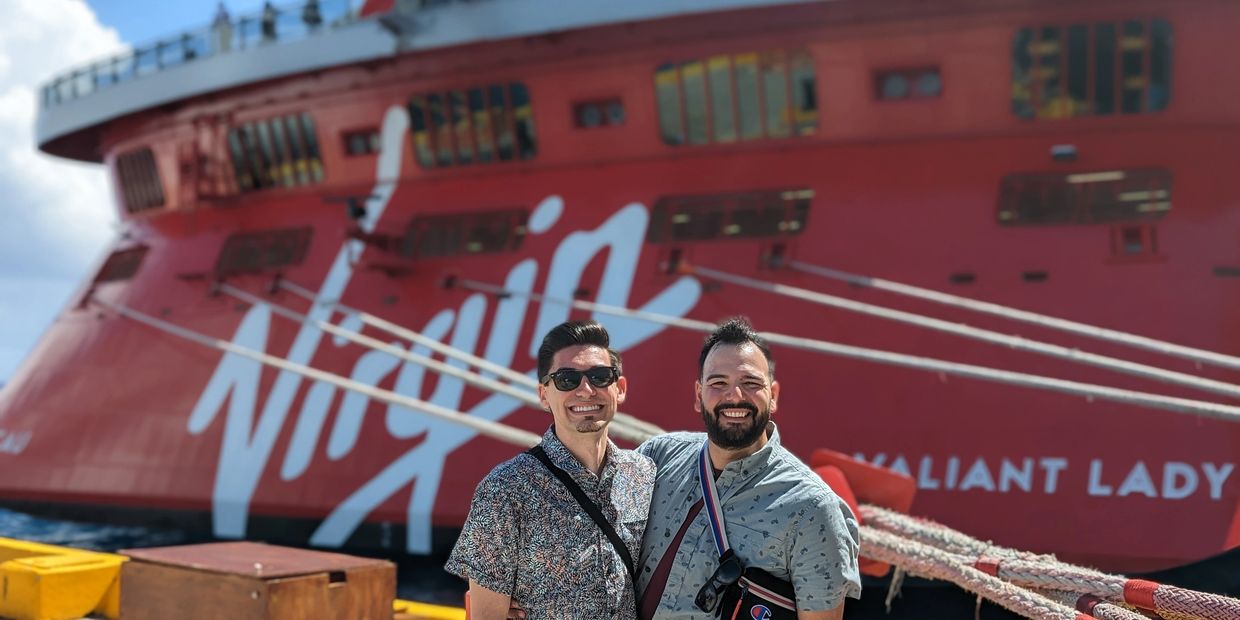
(227, 34)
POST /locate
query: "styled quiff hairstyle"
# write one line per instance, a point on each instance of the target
(735, 331)
(574, 333)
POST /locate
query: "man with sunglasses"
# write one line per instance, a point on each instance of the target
(764, 509)
(531, 537)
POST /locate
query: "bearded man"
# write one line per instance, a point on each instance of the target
(769, 517)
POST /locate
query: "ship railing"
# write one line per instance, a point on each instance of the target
(285, 23)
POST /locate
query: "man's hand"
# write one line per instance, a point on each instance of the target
(487, 604)
(515, 611)
(830, 614)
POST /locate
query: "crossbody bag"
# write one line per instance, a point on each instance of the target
(756, 593)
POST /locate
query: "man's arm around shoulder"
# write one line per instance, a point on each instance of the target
(486, 604)
(830, 614)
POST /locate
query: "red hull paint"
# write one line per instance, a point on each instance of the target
(901, 192)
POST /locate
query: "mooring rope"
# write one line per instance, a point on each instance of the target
(619, 430)
(491, 429)
(926, 561)
(1015, 343)
(1143, 399)
(639, 426)
(1083, 329)
(1046, 572)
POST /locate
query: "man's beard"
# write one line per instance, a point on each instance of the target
(734, 436)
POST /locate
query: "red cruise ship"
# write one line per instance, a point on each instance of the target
(478, 171)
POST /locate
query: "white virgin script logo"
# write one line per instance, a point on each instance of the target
(247, 446)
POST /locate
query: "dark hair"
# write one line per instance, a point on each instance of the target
(735, 331)
(574, 333)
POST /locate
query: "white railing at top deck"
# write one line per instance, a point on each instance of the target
(290, 23)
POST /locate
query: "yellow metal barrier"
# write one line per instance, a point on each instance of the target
(423, 611)
(46, 582)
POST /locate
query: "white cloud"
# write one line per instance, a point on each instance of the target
(56, 217)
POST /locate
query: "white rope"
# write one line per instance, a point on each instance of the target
(621, 419)
(1048, 573)
(1092, 605)
(1143, 399)
(435, 365)
(926, 561)
(1014, 342)
(495, 430)
(1083, 329)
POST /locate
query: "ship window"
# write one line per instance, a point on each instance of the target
(482, 124)
(282, 151)
(1092, 69)
(121, 265)
(139, 180)
(747, 215)
(738, 97)
(904, 84)
(431, 236)
(265, 250)
(597, 114)
(361, 142)
(1084, 197)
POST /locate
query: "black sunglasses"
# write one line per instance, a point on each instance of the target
(728, 573)
(567, 379)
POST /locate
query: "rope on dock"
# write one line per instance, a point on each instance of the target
(926, 561)
(1047, 573)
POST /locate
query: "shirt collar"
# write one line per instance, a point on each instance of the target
(757, 461)
(562, 458)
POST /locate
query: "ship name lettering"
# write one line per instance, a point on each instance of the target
(1171, 480)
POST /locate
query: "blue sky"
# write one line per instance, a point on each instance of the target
(57, 219)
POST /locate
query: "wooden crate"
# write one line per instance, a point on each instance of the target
(253, 581)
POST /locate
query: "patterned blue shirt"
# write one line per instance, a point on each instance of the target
(779, 515)
(527, 537)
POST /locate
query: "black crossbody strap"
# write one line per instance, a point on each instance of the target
(591, 508)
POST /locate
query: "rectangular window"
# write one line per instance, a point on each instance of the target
(737, 97)
(432, 236)
(275, 152)
(667, 98)
(1091, 69)
(905, 84)
(360, 142)
(746, 215)
(481, 124)
(267, 250)
(599, 113)
(121, 265)
(1084, 198)
(138, 177)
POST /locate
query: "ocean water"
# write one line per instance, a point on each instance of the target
(418, 578)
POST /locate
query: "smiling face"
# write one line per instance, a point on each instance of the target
(584, 409)
(736, 395)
